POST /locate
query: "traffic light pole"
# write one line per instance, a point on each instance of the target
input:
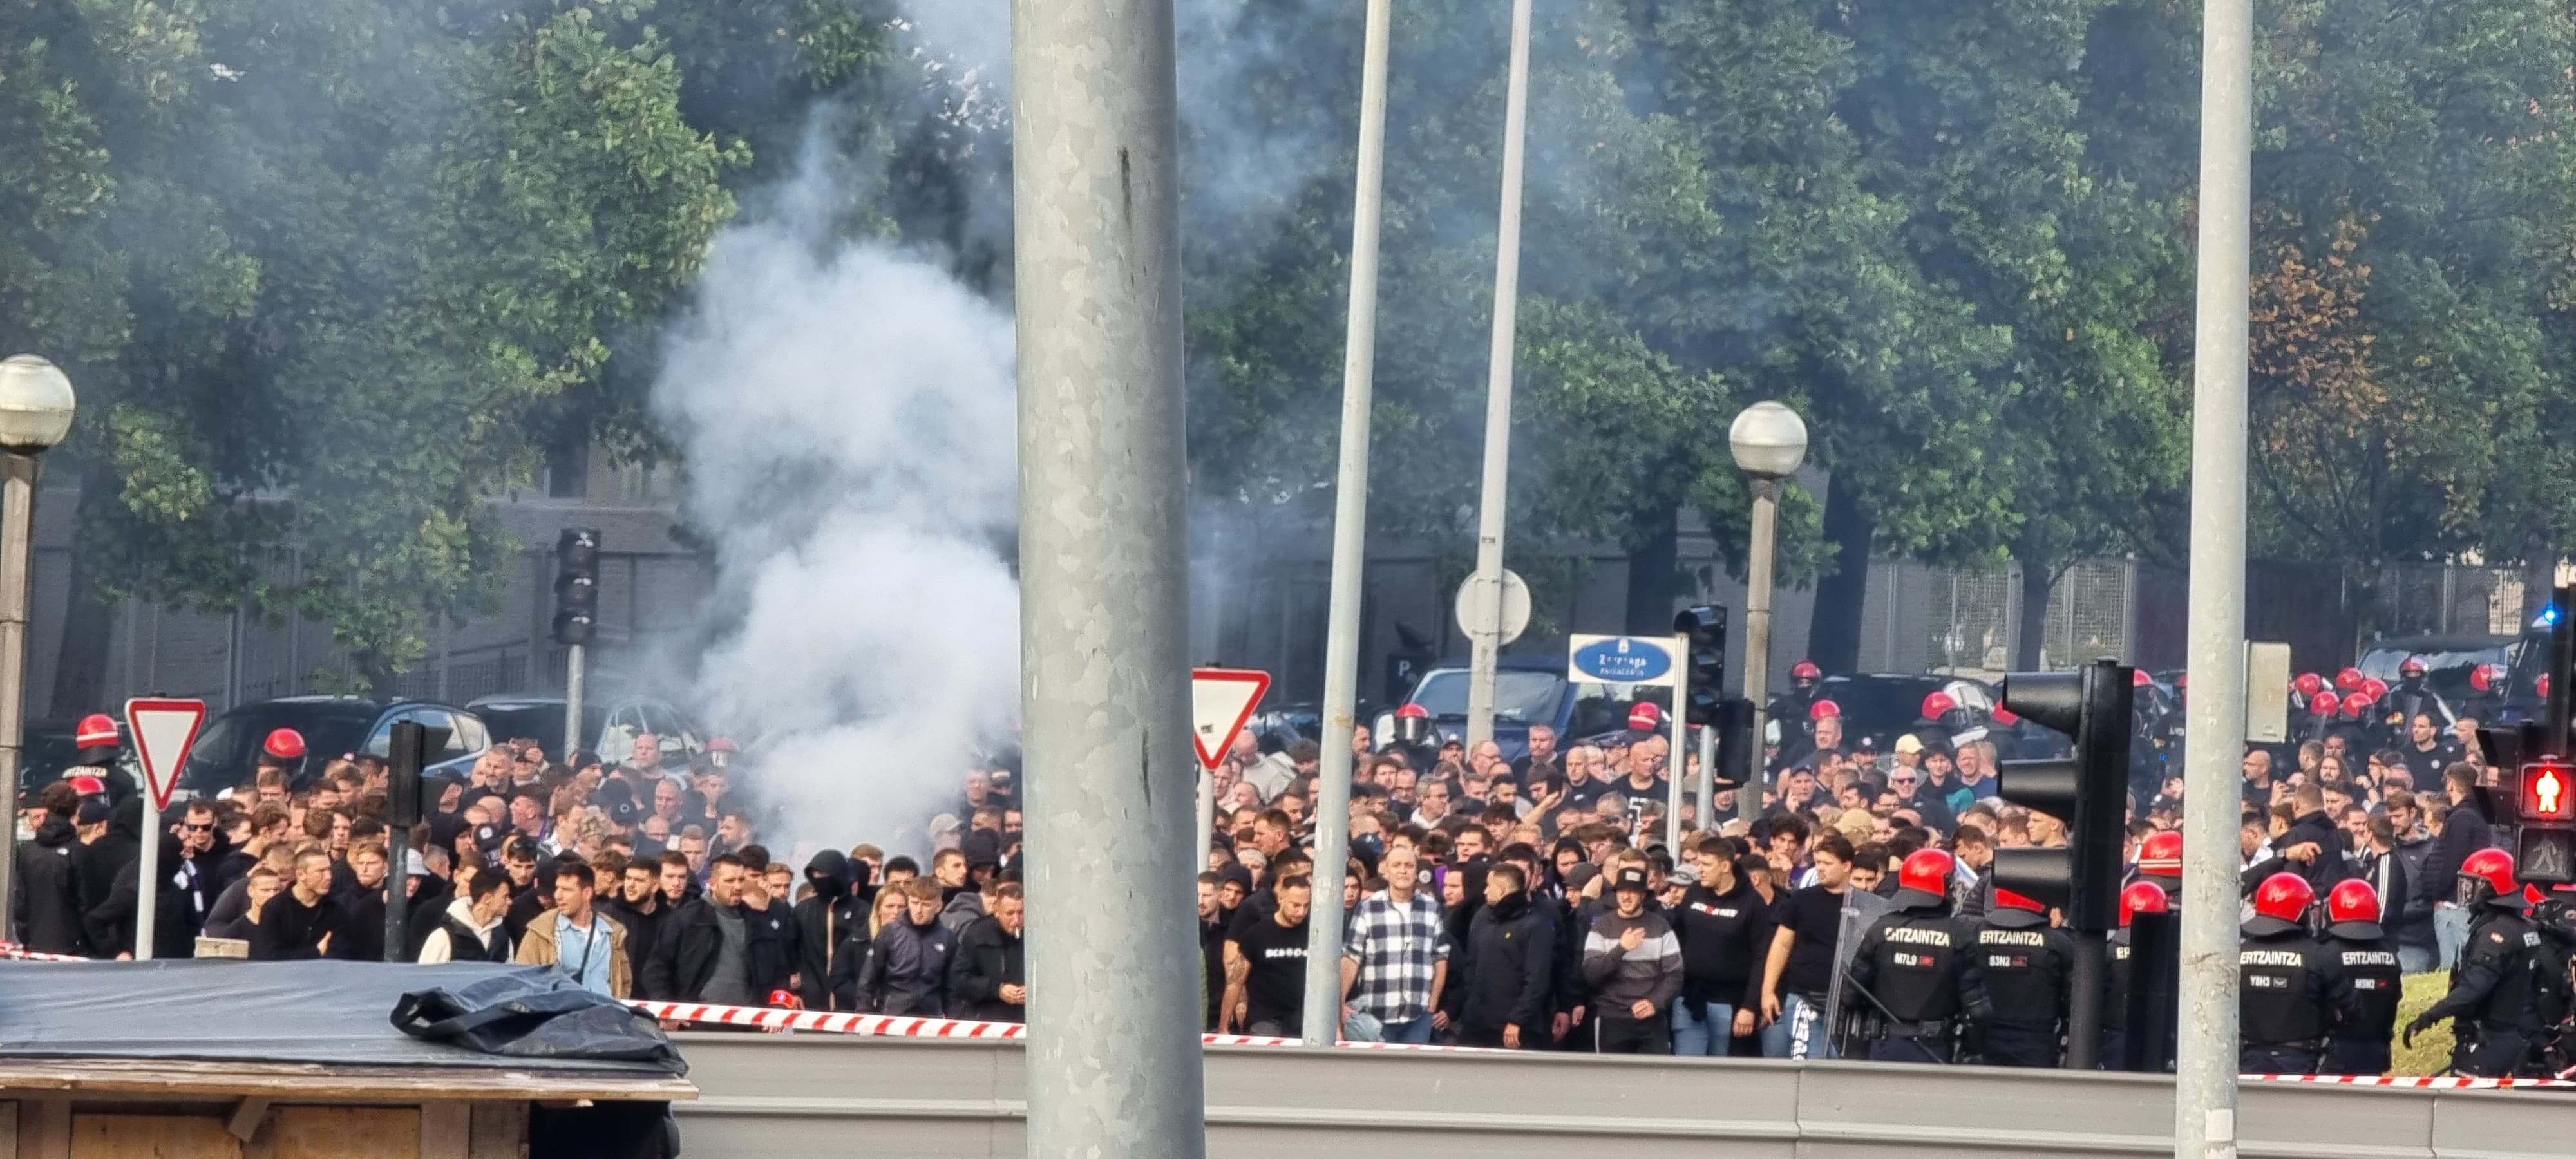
(1113, 1063)
(2205, 1073)
(2084, 1003)
(572, 704)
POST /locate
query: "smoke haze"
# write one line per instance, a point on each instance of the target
(847, 414)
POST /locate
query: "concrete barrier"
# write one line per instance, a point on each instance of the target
(768, 1096)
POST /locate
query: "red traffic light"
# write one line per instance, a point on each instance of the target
(2548, 792)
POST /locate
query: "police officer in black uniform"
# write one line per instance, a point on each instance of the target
(1915, 976)
(2358, 1045)
(2290, 992)
(2141, 897)
(2027, 967)
(2494, 998)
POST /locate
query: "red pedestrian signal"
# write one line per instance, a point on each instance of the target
(2548, 793)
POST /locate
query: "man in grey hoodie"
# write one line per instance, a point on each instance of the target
(1633, 965)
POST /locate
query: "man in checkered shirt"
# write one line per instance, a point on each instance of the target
(1397, 958)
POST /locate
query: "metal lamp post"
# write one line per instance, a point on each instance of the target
(1770, 443)
(36, 406)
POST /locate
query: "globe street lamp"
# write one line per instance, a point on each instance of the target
(1770, 443)
(36, 408)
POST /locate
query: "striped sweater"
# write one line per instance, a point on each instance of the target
(1617, 977)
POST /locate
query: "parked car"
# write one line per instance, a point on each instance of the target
(2449, 660)
(609, 726)
(1528, 690)
(227, 750)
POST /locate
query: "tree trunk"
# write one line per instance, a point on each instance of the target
(1833, 635)
(1654, 577)
(2028, 635)
(89, 622)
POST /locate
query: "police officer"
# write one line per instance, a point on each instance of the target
(1915, 974)
(2494, 998)
(2027, 967)
(2290, 992)
(2141, 897)
(2397, 708)
(2358, 1045)
(2160, 862)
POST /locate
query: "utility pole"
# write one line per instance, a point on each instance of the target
(2205, 1071)
(1487, 638)
(1113, 1058)
(1322, 1007)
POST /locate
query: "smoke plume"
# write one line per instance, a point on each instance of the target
(847, 414)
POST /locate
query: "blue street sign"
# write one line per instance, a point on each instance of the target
(1621, 659)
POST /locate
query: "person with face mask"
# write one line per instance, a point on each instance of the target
(820, 918)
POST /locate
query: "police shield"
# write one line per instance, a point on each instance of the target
(1860, 908)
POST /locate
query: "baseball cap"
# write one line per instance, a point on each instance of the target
(1630, 877)
(1682, 875)
(94, 810)
(1581, 875)
(1909, 743)
(414, 865)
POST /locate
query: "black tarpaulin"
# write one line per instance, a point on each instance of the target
(325, 1012)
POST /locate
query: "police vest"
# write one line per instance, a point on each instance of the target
(1917, 960)
(2025, 967)
(2503, 941)
(2279, 995)
(2378, 983)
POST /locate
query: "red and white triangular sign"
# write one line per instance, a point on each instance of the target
(163, 730)
(1221, 700)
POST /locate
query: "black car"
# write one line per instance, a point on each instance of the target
(227, 751)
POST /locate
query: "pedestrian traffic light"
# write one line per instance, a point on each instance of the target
(410, 747)
(1703, 632)
(2087, 792)
(576, 584)
(2545, 806)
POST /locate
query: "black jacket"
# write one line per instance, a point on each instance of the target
(2329, 866)
(288, 929)
(819, 922)
(685, 955)
(850, 960)
(643, 933)
(1510, 967)
(2464, 831)
(362, 926)
(44, 891)
(1724, 939)
(185, 900)
(908, 971)
(95, 866)
(987, 957)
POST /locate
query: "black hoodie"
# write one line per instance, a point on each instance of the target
(96, 864)
(1724, 937)
(820, 920)
(45, 891)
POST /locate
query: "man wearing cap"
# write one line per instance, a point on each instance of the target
(1632, 963)
(109, 845)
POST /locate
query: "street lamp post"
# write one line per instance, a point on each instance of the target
(36, 407)
(1770, 442)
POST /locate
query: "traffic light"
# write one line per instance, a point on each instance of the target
(2088, 792)
(576, 584)
(1703, 631)
(412, 745)
(2545, 804)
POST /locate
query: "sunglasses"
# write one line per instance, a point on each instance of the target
(206, 828)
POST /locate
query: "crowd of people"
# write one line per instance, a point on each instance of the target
(1845, 904)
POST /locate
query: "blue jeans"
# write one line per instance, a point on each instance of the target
(2451, 931)
(1417, 1032)
(1702, 1029)
(1801, 1032)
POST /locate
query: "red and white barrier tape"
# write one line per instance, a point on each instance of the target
(2443, 1083)
(16, 952)
(889, 1026)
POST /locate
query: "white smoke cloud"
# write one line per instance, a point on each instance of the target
(847, 414)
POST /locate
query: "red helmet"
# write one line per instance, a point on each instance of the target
(2411, 666)
(1938, 705)
(2374, 688)
(2484, 676)
(2325, 704)
(2160, 855)
(285, 744)
(2309, 684)
(1413, 712)
(2349, 680)
(1822, 709)
(2356, 704)
(2531, 894)
(1927, 871)
(2182, 679)
(2283, 898)
(2005, 716)
(1645, 717)
(1806, 670)
(2007, 899)
(2143, 897)
(2138, 678)
(2490, 875)
(724, 744)
(2541, 686)
(2352, 900)
(96, 731)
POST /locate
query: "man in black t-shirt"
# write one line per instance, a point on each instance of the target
(1800, 968)
(1265, 967)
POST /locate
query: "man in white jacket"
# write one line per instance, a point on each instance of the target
(471, 930)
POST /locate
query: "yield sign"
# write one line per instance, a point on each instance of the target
(1221, 700)
(164, 730)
